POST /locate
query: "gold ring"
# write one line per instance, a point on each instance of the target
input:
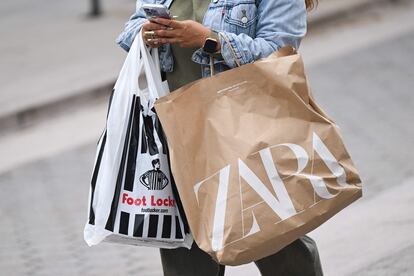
(149, 34)
(153, 41)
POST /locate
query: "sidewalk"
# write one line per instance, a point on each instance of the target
(57, 58)
(328, 10)
(52, 51)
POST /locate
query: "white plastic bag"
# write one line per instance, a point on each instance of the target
(131, 199)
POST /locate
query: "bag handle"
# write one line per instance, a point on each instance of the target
(233, 52)
(149, 65)
(156, 59)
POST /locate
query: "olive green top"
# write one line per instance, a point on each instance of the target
(185, 70)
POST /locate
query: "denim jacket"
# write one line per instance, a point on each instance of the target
(250, 30)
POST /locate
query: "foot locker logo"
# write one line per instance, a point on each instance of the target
(154, 179)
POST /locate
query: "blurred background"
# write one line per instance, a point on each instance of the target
(58, 62)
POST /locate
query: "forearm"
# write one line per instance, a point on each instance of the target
(279, 23)
(133, 26)
(131, 30)
(244, 49)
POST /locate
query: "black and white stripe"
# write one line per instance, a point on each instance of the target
(171, 228)
(154, 180)
(121, 172)
(157, 226)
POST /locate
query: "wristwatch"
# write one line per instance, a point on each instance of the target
(211, 42)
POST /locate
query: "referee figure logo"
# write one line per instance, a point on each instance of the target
(154, 179)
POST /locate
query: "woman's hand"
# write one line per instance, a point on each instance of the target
(151, 39)
(188, 33)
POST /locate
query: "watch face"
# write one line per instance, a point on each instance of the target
(210, 45)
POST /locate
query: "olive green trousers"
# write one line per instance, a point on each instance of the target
(300, 258)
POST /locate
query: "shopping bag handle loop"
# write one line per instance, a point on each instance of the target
(151, 67)
(233, 53)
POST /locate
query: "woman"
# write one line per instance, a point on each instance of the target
(215, 36)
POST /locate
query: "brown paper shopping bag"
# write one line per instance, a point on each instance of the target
(257, 163)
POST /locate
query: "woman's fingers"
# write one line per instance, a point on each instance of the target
(149, 35)
(160, 28)
(166, 33)
(168, 22)
(154, 33)
(151, 26)
(186, 33)
(153, 43)
(174, 40)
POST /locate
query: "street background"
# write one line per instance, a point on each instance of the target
(58, 65)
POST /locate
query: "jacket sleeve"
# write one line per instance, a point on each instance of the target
(279, 23)
(133, 26)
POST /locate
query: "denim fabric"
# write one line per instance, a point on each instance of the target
(252, 28)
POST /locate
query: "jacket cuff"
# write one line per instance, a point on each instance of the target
(132, 29)
(229, 50)
(123, 45)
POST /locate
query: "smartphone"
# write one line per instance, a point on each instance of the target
(156, 10)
